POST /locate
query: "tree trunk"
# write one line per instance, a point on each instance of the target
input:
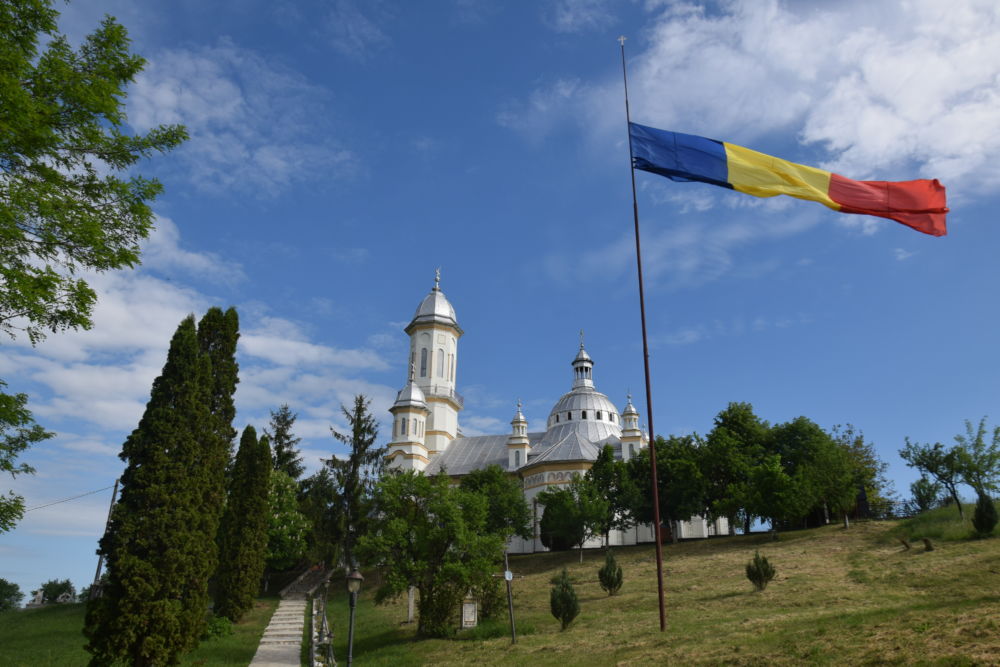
(746, 525)
(954, 496)
(581, 553)
(847, 522)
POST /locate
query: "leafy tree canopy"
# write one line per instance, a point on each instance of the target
(507, 513)
(283, 442)
(53, 588)
(18, 431)
(10, 595)
(572, 514)
(287, 527)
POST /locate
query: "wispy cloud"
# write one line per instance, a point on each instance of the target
(351, 32)
(579, 15)
(256, 126)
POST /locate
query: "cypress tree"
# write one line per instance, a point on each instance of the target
(153, 605)
(286, 457)
(243, 532)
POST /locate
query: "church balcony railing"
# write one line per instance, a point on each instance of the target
(443, 391)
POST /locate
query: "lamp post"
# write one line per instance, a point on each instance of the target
(354, 580)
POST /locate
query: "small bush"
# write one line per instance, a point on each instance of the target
(759, 571)
(984, 519)
(217, 626)
(611, 574)
(562, 600)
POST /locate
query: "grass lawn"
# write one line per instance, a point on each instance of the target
(840, 597)
(52, 636)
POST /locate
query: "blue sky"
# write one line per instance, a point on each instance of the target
(341, 151)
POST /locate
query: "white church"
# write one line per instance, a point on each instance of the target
(426, 434)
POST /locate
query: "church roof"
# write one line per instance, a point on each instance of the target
(572, 447)
(467, 454)
(435, 308)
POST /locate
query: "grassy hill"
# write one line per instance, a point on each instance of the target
(840, 597)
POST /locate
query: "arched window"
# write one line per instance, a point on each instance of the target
(440, 356)
(423, 362)
(517, 458)
(583, 414)
(451, 367)
(403, 431)
(569, 416)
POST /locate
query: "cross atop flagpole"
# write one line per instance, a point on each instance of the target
(645, 354)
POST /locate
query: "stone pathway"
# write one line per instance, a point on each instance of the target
(281, 645)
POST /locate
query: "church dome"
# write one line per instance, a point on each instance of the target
(435, 308)
(410, 396)
(583, 410)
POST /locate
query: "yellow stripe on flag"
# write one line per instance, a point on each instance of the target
(764, 175)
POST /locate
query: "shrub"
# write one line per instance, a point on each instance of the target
(759, 571)
(562, 600)
(984, 519)
(217, 626)
(611, 574)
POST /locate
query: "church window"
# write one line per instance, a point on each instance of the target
(612, 417)
(517, 458)
(403, 427)
(451, 367)
(423, 362)
(557, 419)
(598, 415)
(569, 415)
(583, 414)
(440, 356)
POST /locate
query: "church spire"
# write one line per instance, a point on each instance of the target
(583, 367)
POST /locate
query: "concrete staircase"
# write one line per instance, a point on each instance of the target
(281, 644)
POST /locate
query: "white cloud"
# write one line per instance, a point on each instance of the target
(902, 255)
(891, 90)
(162, 252)
(352, 33)
(256, 127)
(579, 15)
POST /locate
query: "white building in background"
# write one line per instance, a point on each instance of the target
(426, 435)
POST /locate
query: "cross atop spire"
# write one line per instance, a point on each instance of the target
(621, 40)
(581, 339)
(437, 279)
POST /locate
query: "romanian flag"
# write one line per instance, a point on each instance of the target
(684, 157)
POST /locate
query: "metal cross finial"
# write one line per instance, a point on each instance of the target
(621, 40)
(581, 339)
(437, 278)
(518, 404)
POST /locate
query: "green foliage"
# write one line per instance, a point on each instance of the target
(243, 533)
(984, 519)
(572, 515)
(53, 588)
(979, 457)
(733, 446)
(611, 481)
(217, 627)
(322, 505)
(492, 598)
(287, 526)
(562, 600)
(18, 432)
(283, 441)
(507, 513)
(610, 575)
(681, 485)
(358, 473)
(428, 534)
(940, 463)
(496, 628)
(10, 595)
(64, 205)
(160, 544)
(926, 494)
(759, 571)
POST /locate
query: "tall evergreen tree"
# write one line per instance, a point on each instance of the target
(279, 431)
(243, 532)
(153, 605)
(358, 473)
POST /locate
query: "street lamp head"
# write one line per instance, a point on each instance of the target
(354, 580)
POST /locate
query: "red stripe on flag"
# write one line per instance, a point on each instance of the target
(918, 204)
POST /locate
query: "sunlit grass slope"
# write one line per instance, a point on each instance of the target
(840, 597)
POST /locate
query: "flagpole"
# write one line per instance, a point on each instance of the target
(645, 359)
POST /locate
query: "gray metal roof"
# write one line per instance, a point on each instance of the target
(467, 454)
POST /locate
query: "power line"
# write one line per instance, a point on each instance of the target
(66, 500)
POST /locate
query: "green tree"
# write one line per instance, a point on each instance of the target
(243, 532)
(428, 534)
(926, 494)
(733, 446)
(53, 588)
(218, 333)
(287, 526)
(10, 595)
(572, 515)
(874, 488)
(979, 457)
(612, 482)
(759, 571)
(158, 553)
(507, 513)
(357, 474)
(610, 575)
(321, 503)
(70, 200)
(18, 431)
(984, 518)
(683, 489)
(563, 602)
(940, 463)
(283, 442)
